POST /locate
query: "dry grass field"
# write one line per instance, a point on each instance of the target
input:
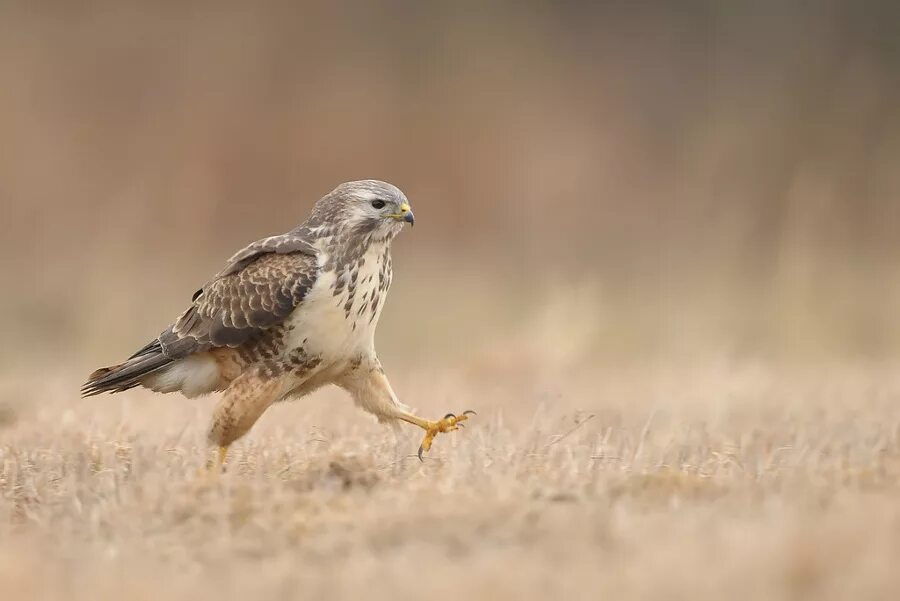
(713, 483)
(656, 249)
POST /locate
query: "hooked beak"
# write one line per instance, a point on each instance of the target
(405, 214)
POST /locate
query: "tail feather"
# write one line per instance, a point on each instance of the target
(127, 375)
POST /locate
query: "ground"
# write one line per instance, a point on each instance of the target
(679, 483)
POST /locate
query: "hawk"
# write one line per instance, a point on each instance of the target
(287, 315)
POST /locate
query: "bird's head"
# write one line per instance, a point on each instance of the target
(364, 207)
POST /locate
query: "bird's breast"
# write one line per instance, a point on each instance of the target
(337, 319)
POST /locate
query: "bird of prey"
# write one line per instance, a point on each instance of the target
(287, 315)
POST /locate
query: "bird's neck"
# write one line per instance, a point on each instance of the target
(345, 251)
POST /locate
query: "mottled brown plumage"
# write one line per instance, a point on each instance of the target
(287, 314)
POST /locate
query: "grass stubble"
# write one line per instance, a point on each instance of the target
(662, 483)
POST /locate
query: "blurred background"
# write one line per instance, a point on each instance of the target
(596, 184)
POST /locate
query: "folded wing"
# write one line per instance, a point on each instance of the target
(261, 285)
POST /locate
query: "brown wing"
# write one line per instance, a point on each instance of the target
(234, 308)
(261, 285)
(296, 241)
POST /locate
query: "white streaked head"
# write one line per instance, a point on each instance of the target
(364, 206)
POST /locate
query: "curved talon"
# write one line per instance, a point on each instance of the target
(448, 424)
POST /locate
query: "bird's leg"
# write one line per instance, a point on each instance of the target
(217, 463)
(449, 423)
(244, 401)
(372, 391)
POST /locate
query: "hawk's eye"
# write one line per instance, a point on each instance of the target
(378, 204)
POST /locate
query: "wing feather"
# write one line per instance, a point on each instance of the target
(236, 307)
(296, 241)
(259, 288)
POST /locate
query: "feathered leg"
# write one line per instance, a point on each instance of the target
(371, 390)
(244, 401)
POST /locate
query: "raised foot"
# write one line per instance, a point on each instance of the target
(448, 424)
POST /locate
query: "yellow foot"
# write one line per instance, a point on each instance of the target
(217, 464)
(448, 424)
